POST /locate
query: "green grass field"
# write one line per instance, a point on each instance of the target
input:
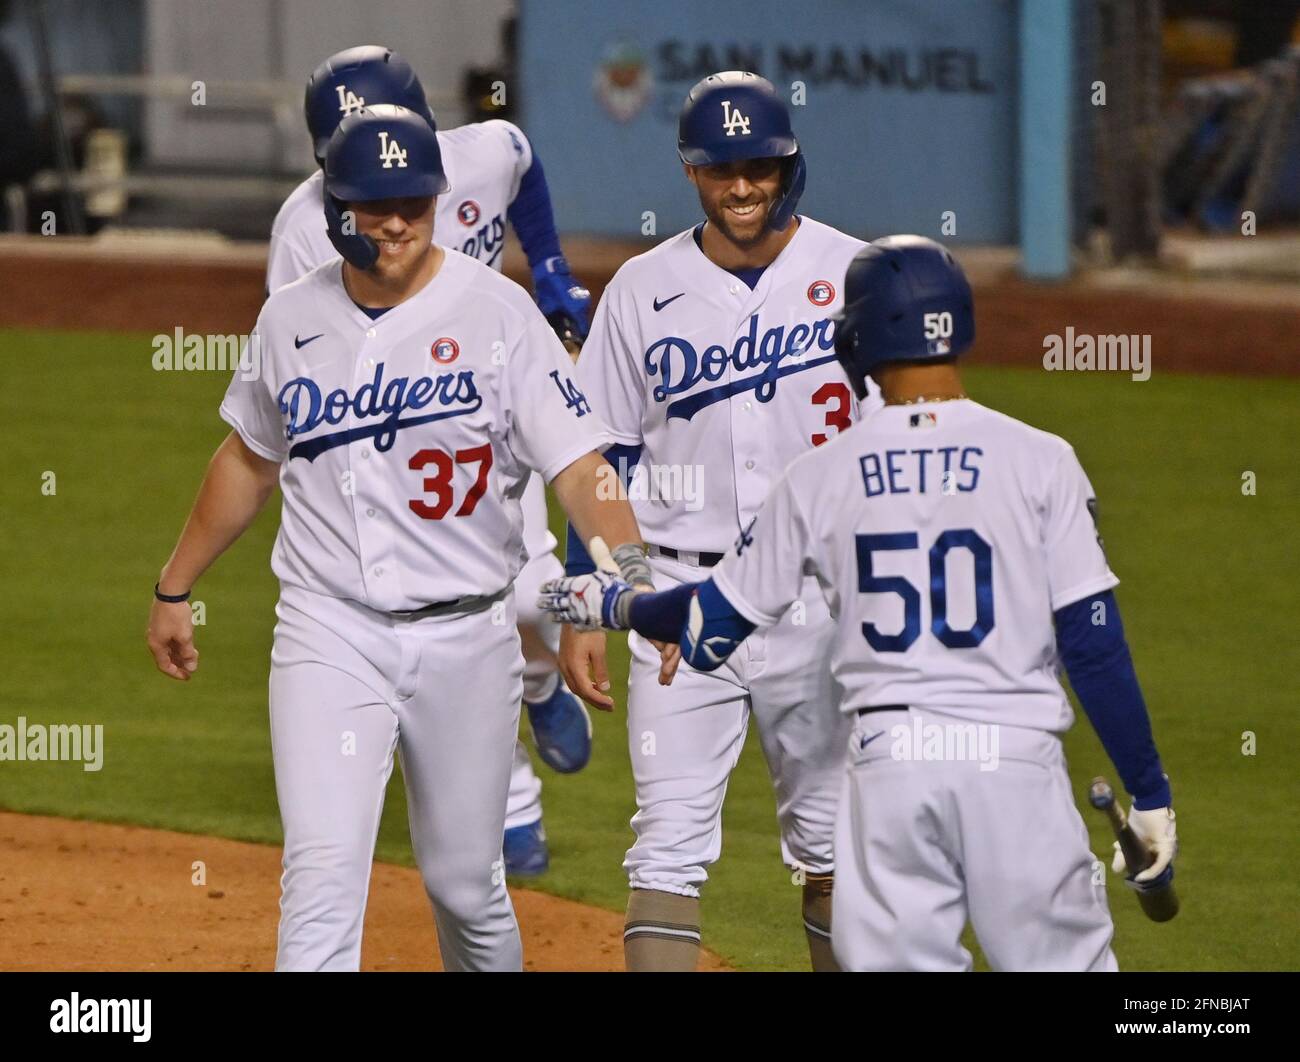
(1209, 595)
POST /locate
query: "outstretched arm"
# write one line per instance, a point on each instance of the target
(236, 487)
(584, 495)
(698, 616)
(1090, 637)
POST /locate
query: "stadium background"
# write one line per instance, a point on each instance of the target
(1122, 219)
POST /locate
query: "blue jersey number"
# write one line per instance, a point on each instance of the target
(895, 584)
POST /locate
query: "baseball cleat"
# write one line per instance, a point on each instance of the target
(562, 730)
(525, 851)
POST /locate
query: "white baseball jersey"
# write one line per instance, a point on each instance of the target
(406, 440)
(685, 360)
(484, 164)
(944, 535)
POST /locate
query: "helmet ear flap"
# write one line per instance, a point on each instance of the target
(356, 248)
(846, 352)
(793, 178)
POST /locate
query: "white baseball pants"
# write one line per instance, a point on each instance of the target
(685, 739)
(924, 844)
(349, 687)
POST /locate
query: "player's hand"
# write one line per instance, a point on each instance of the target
(670, 656)
(1157, 831)
(565, 303)
(589, 602)
(582, 663)
(171, 639)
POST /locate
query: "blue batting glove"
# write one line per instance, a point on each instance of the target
(564, 302)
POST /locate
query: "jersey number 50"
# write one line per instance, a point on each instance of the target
(895, 584)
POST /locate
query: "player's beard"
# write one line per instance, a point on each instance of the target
(744, 235)
(402, 268)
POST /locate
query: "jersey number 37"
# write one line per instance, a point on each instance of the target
(960, 538)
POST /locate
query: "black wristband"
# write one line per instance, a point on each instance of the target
(171, 599)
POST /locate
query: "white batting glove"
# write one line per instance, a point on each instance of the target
(589, 602)
(1157, 831)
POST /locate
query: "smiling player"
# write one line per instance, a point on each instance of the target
(958, 550)
(713, 354)
(406, 394)
(494, 177)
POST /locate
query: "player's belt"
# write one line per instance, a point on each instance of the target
(686, 556)
(882, 708)
(460, 606)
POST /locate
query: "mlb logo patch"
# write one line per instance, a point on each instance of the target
(923, 420)
(938, 346)
(468, 212)
(445, 350)
(821, 292)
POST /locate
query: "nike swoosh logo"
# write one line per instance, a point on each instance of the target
(300, 343)
(864, 742)
(660, 305)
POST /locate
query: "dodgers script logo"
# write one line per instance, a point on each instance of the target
(302, 403)
(488, 241)
(680, 367)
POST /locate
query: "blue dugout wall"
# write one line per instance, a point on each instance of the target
(910, 106)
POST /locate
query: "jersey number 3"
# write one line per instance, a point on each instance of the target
(439, 485)
(837, 417)
(963, 538)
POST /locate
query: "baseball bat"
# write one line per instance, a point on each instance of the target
(1157, 898)
(600, 555)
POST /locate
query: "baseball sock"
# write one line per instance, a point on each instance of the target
(662, 932)
(817, 921)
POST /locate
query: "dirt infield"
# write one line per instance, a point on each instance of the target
(156, 286)
(91, 896)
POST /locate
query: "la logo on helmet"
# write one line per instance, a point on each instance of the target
(349, 101)
(733, 120)
(390, 151)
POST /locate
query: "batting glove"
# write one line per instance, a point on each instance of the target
(563, 301)
(1157, 831)
(589, 602)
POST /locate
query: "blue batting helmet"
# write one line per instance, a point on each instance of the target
(738, 115)
(379, 152)
(355, 78)
(905, 299)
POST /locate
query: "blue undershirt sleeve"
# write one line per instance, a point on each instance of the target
(695, 614)
(1096, 657)
(532, 217)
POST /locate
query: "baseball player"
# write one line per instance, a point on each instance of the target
(711, 358)
(959, 552)
(401, 398)
(494, 177)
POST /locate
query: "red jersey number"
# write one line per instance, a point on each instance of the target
(439, 484)
(837, 417)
